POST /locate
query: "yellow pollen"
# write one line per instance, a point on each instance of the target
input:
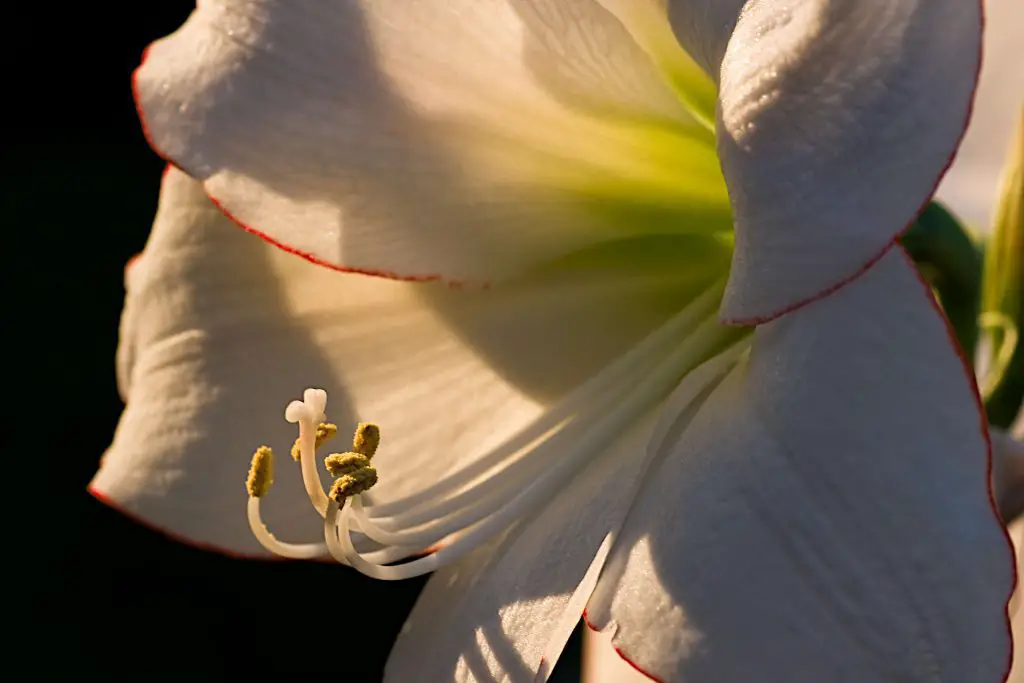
(366, 439)
(324, 432)
(352, 484)
(339, 464)
(261, 472)
(353, 471)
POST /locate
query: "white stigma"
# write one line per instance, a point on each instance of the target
(308, 413)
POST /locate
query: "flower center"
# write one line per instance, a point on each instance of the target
(449, 518)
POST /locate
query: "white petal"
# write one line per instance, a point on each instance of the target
(826, 516)
(221, 331)
(971, 184)
(455, 139)
(489, 617)
(648, 22)
(836, 121)
(704, 27)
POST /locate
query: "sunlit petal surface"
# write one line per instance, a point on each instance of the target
(826, 515)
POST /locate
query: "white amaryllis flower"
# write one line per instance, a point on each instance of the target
(562, 204)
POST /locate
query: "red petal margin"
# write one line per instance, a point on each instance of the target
(132, 260)
(636, 667)
(386, 274)
(312, 258)
(178, 538)
(865, 267)
(983, 425)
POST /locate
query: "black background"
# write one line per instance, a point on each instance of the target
(106, 596)
(111, 597)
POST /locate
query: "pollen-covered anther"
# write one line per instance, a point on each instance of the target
(348, 485)
(325, 431)
(353, 471)
(366, 439)
(261, 472)
(340, 464)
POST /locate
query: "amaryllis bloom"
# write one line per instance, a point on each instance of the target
(618, 282)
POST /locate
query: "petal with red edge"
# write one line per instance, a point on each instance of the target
(220, 331)
(836, 120)
(826, 516)
(459, 140)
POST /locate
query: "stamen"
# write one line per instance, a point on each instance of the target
(261, 476)
(510, 483)
(294, 551)
(356, 476)
(353, 470)
(627, 366)
(514, 495)
(483, 520)
(261, 472)
(338, 539)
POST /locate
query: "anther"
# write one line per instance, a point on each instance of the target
(324, 432)
(366, 439)
(340, 464)
(261, 472)
(357, 482)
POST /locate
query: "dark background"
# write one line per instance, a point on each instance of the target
(106, 596)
